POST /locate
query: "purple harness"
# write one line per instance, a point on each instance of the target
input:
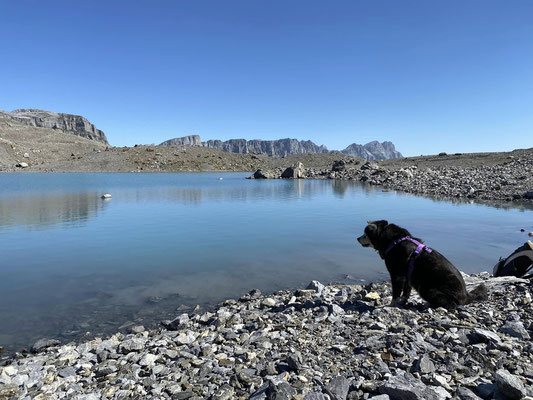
(421, 247)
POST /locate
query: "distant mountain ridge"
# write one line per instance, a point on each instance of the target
(372, 151)
(68, 123)
(285, 147)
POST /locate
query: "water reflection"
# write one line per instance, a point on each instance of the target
(40, 212)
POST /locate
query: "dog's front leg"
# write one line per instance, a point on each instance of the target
(406, 292)
(398, 283)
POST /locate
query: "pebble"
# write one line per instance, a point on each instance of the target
(324, 342)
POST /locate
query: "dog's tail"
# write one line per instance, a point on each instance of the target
(480, 293)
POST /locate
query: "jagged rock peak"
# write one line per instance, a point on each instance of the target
(372, 151)
(281, 147)
(285, 147)
(191, 140)
(68, 123)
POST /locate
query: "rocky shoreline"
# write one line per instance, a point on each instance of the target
(324, 342)
(510, 180)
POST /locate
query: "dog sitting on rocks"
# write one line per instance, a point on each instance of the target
(412, 264)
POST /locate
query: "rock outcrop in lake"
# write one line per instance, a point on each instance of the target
(68, 123)
(286, 147)
(327, 342)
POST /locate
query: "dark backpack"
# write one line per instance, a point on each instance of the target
(518, 264)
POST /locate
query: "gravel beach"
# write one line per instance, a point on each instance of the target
(503, 177)
(323, 342)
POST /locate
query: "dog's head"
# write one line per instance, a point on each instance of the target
(372, 234)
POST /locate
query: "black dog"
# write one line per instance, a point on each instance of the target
(412, 264)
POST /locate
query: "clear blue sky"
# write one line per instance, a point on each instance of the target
(431, 76)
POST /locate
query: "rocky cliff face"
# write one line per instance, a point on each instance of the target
(280, 148)
(191, 140)
(372, 151)
(285, 147)
(68, 123)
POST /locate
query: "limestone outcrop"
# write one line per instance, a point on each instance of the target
(68, 123)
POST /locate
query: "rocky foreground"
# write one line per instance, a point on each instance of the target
(509, 179)
(325, 342)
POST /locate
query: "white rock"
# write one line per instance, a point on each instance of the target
(148, 360)
(268, 302)
(26, 155)
(22, 165)
(10, 371)
(185, 338)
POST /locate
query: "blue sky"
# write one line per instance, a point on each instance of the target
(454, 76)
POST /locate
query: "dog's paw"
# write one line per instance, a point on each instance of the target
(395, 302)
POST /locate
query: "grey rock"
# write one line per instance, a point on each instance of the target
(424, 365)
(251, 295)
(338, 388)
(225, 392)
(466, 394)
(339, 166)
(316, 286)
(263, 174)
(281, 391)
(261, 393)
(296, 172)
(294, 361)
(90, 396)
(67, 123)
(509, 385)
(515, 329)
(42, 344)
(178, 322)
(407, 387)
(66, 372)
(482, 335)
(135, 344)
(136, 329)
(316, 396)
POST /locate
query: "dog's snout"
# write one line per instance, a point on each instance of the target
(364, 240)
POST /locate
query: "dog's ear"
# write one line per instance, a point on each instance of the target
(378, 224)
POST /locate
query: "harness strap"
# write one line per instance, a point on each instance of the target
(420, 247)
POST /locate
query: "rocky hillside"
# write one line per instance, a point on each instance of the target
(372, 151)
(66, 123)
(285, 147)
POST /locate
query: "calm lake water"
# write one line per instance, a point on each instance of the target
(73, 263)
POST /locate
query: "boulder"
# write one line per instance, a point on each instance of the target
(406, 387)
(509, 385)
(296, 172)
(263, 174)
(42, 344)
